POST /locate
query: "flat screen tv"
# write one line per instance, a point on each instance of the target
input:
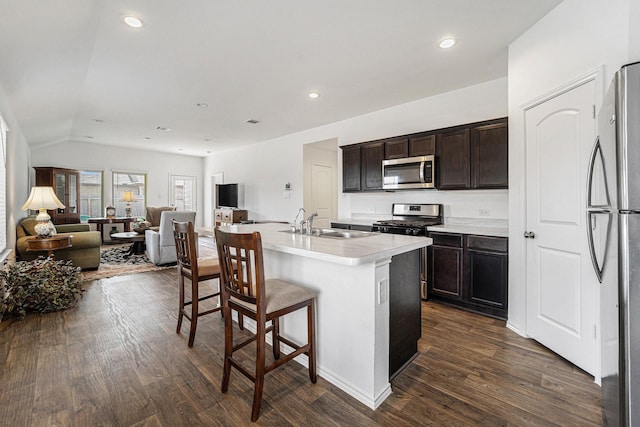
(227, 195)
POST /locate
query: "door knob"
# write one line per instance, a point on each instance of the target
(529, 235)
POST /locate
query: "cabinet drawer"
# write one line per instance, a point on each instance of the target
(497, 244)
(446, 239)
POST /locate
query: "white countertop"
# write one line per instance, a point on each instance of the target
(354, 251)
(480, 230)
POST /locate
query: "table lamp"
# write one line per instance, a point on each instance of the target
(41, 199)
(128, 197)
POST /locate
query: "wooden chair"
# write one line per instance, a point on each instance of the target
(194, 270)
(246, 290)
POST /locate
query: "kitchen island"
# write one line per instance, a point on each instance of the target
(364, 285)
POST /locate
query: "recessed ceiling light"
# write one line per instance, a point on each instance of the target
(98, 120)
(89, 136)
(447, 43)
(132, 21)
(202, 105)
(164, 129)
(313, 95)
(253, 121)
(180, 149)
(147, 138)
(207, 139)
(208, 151)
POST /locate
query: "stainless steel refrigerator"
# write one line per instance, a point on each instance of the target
(613, 220)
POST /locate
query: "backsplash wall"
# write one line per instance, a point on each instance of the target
(490, 205)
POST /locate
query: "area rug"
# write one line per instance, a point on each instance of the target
(115, 261)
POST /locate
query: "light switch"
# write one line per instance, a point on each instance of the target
(382, 288)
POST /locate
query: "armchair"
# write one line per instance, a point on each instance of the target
(161, 245)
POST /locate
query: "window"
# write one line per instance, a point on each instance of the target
(91, 195)
(137, 184)
(182, 192)
(3, 189)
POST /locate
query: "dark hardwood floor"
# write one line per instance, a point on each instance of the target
(115, 360)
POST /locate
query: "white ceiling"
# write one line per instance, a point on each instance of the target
(73, 71)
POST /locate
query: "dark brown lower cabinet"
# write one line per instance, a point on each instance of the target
(405, 307)
(469, 271)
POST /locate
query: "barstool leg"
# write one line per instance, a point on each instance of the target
(181, 301)
(228, 347)
(260, 357)
(275, 334)
(311, 335)
(194, 310)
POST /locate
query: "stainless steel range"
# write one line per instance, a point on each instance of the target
(410, 219)
(413, 220)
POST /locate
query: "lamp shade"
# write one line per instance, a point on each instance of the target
(42, 198)
(128, 197)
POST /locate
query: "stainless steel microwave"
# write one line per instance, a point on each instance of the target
(411, 172)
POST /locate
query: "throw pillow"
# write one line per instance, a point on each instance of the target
(29, 226)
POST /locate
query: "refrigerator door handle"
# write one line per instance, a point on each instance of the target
(597, 159)
(598, 265)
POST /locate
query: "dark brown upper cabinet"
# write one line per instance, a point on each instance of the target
(474, 156)
(351, 168)
(372, 156)
(471, 156)
(422, 145)
(396, 149)
(454, 160)
(490, 155)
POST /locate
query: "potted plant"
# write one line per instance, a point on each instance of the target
(43, 285)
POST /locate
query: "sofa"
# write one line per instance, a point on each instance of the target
(161, 245)
(85, 250)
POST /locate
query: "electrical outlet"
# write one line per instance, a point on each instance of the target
(484, 212)
(382, 291)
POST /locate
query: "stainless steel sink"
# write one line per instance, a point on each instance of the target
(335, 233)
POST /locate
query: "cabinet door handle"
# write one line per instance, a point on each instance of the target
(529, 235)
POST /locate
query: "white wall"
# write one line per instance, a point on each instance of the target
(264, 168)
(17, 172)
(157, 166)
(577, 37)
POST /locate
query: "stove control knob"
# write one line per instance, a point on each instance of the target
(415, 231)
(383, 229)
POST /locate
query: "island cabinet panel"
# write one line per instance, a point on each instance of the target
(351, 168)
(454, 160)
(422, 145)
(372, 156)
(445, 269)
(490, 155)
(404, 310)
(473, 274)
(396, 149)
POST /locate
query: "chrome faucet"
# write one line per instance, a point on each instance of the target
(309, 223)
(295, 221)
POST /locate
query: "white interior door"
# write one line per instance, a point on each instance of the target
(322, 194)
(561, 287)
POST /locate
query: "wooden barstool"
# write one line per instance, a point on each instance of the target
(196, 271)
(245, 289)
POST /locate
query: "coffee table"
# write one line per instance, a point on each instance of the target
(138, 246)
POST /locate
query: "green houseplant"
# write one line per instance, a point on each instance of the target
(42, 285)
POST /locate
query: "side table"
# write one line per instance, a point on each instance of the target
(100, 222)
(49, 244)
